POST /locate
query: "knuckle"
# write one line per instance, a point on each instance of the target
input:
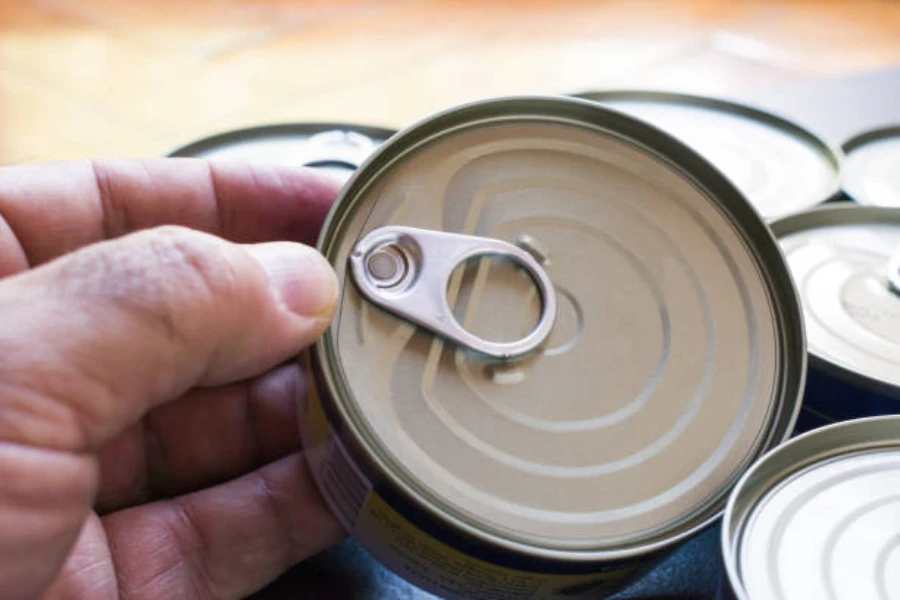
(168, 274)
(197, 261)
(170, 280)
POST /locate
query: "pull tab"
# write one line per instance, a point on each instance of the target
(406, 271)
(894, 272)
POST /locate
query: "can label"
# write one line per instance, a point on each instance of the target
(417, 556)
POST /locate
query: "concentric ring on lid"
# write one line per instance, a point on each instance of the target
(841, 258)
(820, 517)
(676, 359)
(781, 167)
(872, 167)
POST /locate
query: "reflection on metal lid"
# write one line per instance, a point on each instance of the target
(829, 531)
(782, 168)
(843, 260)
(820, 517)
(332, 147)
(872, 169)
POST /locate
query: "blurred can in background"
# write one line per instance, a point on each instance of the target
(872, 172)
(335, 148)
(819, 517)
(780, 166)
(845, 260)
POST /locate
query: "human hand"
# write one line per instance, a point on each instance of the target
(148, 396)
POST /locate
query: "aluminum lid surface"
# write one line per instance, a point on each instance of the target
(781, 167)
(820, 517)
(676, 355)
(845, 261)
(872, 168)
(336, 148)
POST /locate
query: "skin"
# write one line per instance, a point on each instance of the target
(151, 314)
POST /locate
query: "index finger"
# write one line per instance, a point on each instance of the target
(47, 210)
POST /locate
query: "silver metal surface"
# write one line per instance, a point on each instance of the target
(819, 517)
(407, 272)
(844, 260)
(872, 167)
(781, 167)
(334, 148)
(893, 272)
(677, 356)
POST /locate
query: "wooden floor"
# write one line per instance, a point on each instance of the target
(87, 78)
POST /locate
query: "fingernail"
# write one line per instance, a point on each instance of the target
(300, 276)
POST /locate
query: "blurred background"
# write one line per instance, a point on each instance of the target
(92, 78)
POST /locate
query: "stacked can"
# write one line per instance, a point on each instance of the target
(335, 148)
(781, 167)
(562, 338)
(872, 173)
(845, 261)
(818, 518)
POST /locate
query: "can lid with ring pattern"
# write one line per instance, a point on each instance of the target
(675, 358)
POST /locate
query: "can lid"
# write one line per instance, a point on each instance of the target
(820, 517)
(845, 260)
(872, 168)
(337, 148)
(781, 167)
(676, 355)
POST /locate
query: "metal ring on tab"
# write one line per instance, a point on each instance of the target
(406, 271)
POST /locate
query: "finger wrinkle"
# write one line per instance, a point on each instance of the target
(38, 418)
(112, 217)
(190, 535)
(158, 457)
(221, 216)
(278, 517)
(13, 257)
(155, 554)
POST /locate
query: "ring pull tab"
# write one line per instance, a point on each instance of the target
(894, 272)
(406, 271)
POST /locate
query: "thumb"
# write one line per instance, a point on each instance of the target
(91, 341)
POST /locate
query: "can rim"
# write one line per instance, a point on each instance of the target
(870, 135)
(845, 213)
(833, 153)
(693, 167)
(862, 139)
(215, 140)
(762, 477)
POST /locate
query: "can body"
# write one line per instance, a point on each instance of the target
(420, 550)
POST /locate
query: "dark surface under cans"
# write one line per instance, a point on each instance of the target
(829, 399)
(836, 109)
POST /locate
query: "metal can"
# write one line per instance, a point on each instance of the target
(818, 517)
(336, 148)
(562, 337)
(845, 260)
(872, 169)
(780, 166)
